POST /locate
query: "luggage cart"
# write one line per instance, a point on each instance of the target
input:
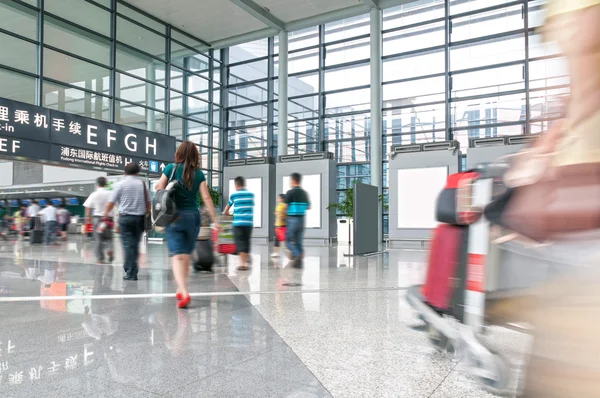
(491, 273)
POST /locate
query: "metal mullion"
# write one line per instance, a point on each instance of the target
(345, 114)
(447, 77)
(485, 38)
(195, 50)
(413, 52)
(271, 97)
(142, 52)
(346, 89)
(486, 67)
(190, 95)
(249, 61)
(413, 25)
(304, 72)
(142, 79)
(141, 25)
(132, 103)
(416, 132)
(546, 57)
(191, 119)
(393, 108)
(236, 107)
(18, 36)
(27, 5)
(557, 87)
(76, 56)
(113, 63)
(347, 65)
(299, 50)
(77, 26)
(411, 79)
(322, 101)
(306, 119)
(97, 5)
(144, 13)
(191, 72)
(69, 85)
(211, 75)
(481, 96)
(39, 93)
(19, 71)
(347, 40)
(249, 83)
(223, 132)
(303, 96)
(486, 9)
(526, 69)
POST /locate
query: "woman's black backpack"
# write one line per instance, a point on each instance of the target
(163, 204)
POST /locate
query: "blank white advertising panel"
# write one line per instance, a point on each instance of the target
(311, 183)
(418, 190)
(253, 185)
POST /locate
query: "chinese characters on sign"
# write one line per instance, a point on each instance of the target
(93, 143)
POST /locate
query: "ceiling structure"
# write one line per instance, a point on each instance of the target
(224, 23)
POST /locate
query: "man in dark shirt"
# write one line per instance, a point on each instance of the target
(298, 203)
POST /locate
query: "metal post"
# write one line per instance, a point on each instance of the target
(448, 78)
(282, 130)
(376, 110)
(39, 93)
(527, 129)
(321, 122)
(112, 112)
(271, 98)
(151, 98)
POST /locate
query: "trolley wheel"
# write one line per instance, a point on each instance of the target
(498, 384)
(438, 340)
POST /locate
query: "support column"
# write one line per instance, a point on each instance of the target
(376, 110)
(282, 133)
(151, 98)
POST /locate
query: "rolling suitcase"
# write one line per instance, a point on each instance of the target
(203, 257)
(36, 234)
(444, 257)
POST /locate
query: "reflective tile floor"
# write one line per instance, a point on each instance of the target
(340, 327)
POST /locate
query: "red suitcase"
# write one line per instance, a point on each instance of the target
(444, 256)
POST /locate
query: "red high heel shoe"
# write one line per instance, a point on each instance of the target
(184, 302)
(178, 296)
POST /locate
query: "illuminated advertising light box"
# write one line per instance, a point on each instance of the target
(72, 201)
(42, 202)
(253, 185)
(312, 185)
(57, 201)
(26, 202)
(418, 190)
(13, 203)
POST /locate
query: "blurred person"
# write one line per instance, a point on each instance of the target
(565, 312)
(49, 215)
(32, 211)
(280, 223)
(183, 231)
(242, 202)
(132, 198)
(95, 206)
(298, 203)
(64, 217)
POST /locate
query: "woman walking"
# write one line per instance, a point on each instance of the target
(182, 232)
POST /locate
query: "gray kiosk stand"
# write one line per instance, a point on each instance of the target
(487, 150)
(417, 173)
(259, 174)
(318, 172)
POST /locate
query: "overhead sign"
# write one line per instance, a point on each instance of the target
(34, 132)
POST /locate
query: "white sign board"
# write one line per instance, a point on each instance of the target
(312, 185)
(418, 190)
(253, 185)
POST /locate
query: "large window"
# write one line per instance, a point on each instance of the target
(159, 79)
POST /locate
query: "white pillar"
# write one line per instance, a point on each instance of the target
(151, 98)
(282, 129)
(376, 112)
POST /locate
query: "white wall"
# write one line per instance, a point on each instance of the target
(62, 174)
(6, 174)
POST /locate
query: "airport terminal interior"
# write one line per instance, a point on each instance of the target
(374, 102)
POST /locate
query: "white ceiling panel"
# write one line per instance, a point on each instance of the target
(217, 20)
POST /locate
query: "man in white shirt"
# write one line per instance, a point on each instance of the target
(32, 211)
(94, 211)
(49, 214)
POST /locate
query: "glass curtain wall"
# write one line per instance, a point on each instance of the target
(459, 69)
(107, 60)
